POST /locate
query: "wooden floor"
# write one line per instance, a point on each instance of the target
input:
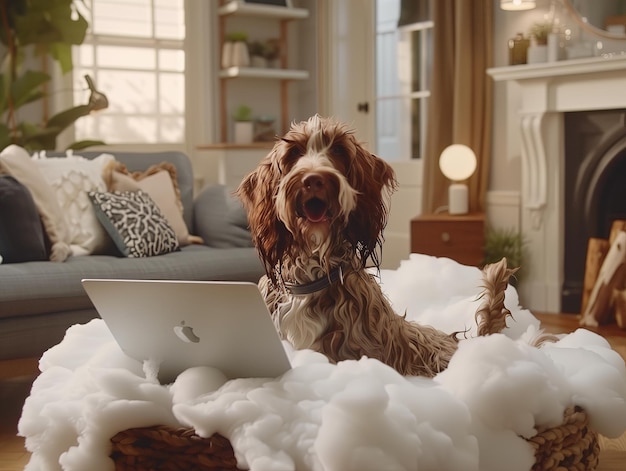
(14, 390)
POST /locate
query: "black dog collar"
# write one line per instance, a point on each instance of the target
(336, 274)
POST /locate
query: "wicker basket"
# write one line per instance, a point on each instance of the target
(570, 446)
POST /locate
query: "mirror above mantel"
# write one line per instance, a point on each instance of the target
(605, 18)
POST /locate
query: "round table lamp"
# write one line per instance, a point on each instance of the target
(457, 162)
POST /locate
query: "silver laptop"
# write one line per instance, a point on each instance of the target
(182, 324)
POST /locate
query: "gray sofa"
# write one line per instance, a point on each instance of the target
(40, 300)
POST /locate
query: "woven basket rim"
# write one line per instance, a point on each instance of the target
(570, 445)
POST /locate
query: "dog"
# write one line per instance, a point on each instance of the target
(317, 205)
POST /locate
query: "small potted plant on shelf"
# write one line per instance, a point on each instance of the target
(244, 125)
(271, 52)
(538, 49)
(257, 57)
(235, 50)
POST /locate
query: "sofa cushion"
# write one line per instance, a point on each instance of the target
(220, 219)
(44, 287)
(72, 177)
(161, 185)
(135, 223)
(21, 232)
(15, 161)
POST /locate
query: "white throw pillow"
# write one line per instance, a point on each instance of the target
(72, 177)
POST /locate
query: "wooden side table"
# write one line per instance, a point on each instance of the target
(461, 238)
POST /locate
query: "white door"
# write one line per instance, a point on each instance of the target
(347, 82)
(356, 92)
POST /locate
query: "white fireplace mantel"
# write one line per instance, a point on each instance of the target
(545, 92)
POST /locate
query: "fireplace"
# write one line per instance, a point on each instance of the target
(595, 189)
(543, 98)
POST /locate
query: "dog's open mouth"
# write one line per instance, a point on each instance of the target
(315, 209)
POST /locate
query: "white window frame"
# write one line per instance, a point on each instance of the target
(200, 126)
(404, 96)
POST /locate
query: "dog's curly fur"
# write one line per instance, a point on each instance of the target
(319, 200)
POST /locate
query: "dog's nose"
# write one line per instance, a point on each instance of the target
(313, 181)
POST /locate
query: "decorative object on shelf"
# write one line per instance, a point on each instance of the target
(235, 51)
(517, 5)
(538, 48)
(518, 49)
(271, 52)
(243, 125)
(257, 56)
(264, 129)
(457, 162)
(227, 54)
(555, 47)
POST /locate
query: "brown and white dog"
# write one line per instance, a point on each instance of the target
(317, 205)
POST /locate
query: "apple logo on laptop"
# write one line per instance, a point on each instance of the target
(185, 333)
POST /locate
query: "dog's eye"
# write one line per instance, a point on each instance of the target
(341, 157)
(292, 155)
(337, 149)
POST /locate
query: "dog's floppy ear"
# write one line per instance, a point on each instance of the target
(257, 191)
(375, 181)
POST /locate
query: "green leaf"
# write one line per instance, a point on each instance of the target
(72, 30)
(62, 53)
(38, 138)
(26, 88)
(80, 145)
(3, 94)
(65, 118)
(5, 136)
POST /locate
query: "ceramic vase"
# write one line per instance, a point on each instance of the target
(243, 132)
(240, 55)
(537, 54)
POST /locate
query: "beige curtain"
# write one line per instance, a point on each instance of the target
(461, 96)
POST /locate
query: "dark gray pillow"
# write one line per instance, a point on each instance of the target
(219, 218)
(22, 236)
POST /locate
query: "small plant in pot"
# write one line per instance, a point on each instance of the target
(257, 50)
(244, 125)
(235, 50)
(271, 52)
(509, 243)
(540, 32)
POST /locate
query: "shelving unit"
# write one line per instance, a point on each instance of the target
(283, 74)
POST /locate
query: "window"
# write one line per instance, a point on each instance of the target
(134, 51)
(403, 65)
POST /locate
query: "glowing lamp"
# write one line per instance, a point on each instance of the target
(517, 5)
(457, 162)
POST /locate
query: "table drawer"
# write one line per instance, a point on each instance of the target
(460, 239)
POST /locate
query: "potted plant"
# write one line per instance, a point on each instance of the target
(235, 50)
(509, 243)
(48, 29)
(271, 52)
(257, 50)
(244, 125)
(538, 49)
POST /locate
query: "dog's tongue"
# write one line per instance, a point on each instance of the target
(315, 210)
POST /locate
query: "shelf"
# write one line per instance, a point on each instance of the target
(238, 7)
(554, 69)
(233, 146)
(264, 73)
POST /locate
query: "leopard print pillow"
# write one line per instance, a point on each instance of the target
(135, 223)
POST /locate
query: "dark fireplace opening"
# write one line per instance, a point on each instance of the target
(595, 189)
